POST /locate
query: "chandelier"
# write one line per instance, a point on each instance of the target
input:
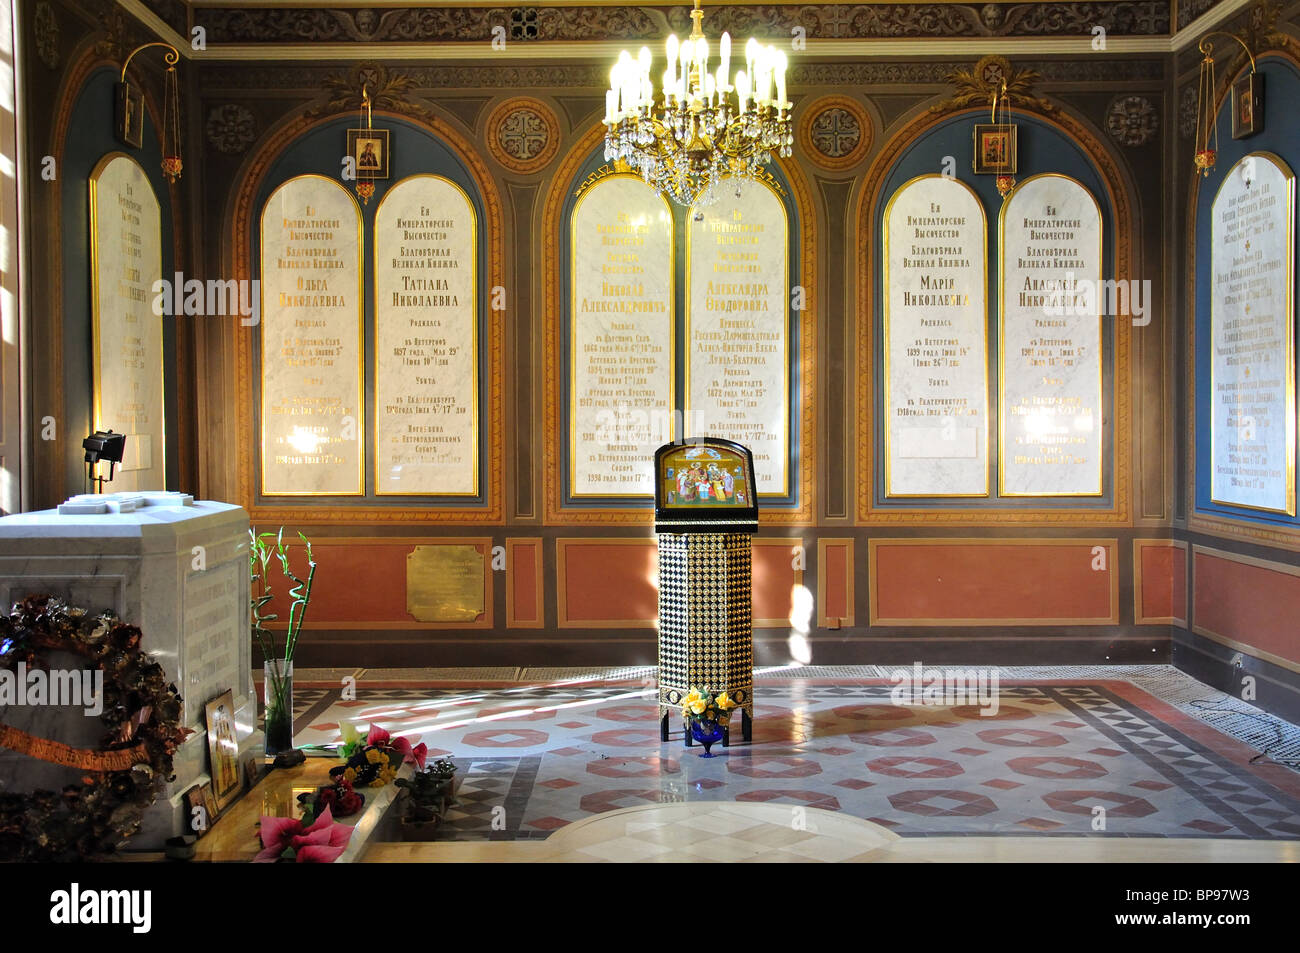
(703, 126)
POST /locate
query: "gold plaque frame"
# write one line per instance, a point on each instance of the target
(361, 345)
(1002, 343)
(786, 355)
(1290, 318)
(884, 349)
(474, 339)
(96, 331)
(585, 194)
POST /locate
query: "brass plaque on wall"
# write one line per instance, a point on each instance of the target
(445, 583)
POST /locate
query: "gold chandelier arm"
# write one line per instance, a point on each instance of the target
(171, 58)
(1206, 47)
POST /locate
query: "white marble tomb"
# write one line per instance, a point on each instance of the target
(177, 568)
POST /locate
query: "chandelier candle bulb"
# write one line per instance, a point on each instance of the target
(724, 53)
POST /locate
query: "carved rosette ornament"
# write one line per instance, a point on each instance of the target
(231, 129)
(835, 132)
(523, 134)
(1132, 120)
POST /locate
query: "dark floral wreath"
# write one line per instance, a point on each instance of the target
(122, 779)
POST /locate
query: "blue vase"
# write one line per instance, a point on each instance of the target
(707, 733)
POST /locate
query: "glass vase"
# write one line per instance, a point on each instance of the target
(707, 733)
(277, 696)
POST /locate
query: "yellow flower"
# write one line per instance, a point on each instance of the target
(697, 707)
(350, 733)
(694, 696)
(724, 702)
(373, 756)
(350, 774)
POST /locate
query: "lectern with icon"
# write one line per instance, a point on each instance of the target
(706, 510)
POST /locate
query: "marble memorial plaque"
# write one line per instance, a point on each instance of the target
(1252, 336)
(426, 341)
(737, 327)
(621, 338)
(1051, 400)
(935, 340)
(126, 262)
(312, 399)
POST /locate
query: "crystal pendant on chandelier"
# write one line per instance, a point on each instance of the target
(703, 126)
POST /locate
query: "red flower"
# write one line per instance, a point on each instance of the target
(341, 798)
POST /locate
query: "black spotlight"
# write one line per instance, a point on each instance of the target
(103, 445)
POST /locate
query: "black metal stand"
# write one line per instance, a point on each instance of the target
(746, 730)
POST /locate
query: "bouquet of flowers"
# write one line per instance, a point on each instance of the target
(705, 706)
(340, 798)
(374, 761)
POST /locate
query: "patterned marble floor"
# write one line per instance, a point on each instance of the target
(1060, 758)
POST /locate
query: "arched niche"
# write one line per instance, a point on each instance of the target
(430, 146)
(127, 309)
(1266, 432)
(61, 268)
(583, 166)
(943, 143)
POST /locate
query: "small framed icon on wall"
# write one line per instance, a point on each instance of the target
(370, 151)
(128, 118)
(995, 149)
(1247, 105)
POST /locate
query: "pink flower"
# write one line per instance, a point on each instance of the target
(401, 744)
(321, 843)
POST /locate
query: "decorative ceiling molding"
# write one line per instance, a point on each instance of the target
(295, 32)
(174, 13)
(160, 27)
(221, 80)
(539, 23)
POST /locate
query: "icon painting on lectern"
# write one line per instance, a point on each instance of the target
(706, 509)
(705, 483)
